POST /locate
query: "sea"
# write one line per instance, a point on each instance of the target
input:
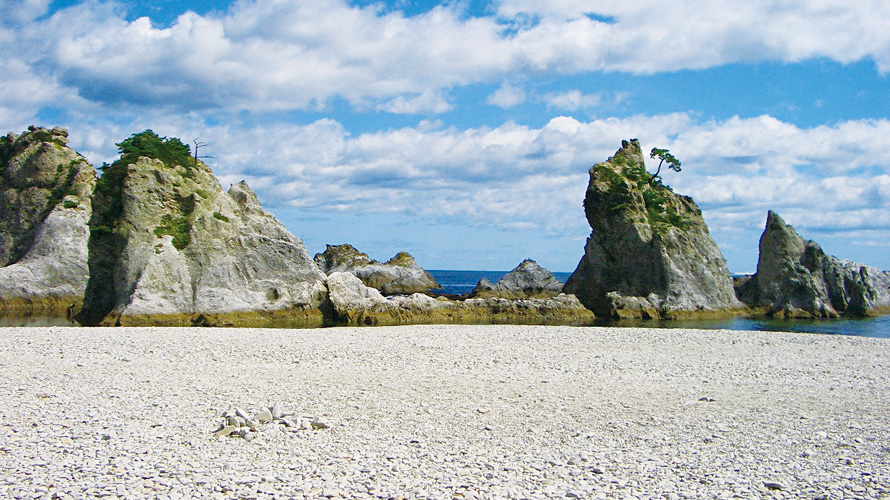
(462, 282)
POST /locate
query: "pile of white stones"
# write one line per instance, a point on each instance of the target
(238, 423)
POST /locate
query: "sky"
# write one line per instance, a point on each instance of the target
(462, 132)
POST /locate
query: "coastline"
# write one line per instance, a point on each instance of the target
(445, 411)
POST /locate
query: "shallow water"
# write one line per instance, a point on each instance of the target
(861, 327)
(10, 321)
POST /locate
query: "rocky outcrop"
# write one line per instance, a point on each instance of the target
(527, 280)
(341, 258)
(353, 303)
(169, 246)
(795, 278)
(399, 275)
(45, 207)
(649, 254)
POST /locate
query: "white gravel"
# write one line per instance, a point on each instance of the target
(444, 412)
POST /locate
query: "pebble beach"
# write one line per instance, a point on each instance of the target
(442, 412)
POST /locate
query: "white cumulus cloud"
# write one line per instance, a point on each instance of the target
(267, 55)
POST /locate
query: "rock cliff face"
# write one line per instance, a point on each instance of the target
(399, 275)
(649, 254)
(527, 280)
(353, 303)
(169, 246)
(45, 207)
(796, 279)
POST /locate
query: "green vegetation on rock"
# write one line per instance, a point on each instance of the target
(177, 227)
(624, 173)
(171, 151)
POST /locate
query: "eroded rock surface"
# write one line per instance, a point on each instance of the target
(169, 246)
(399, 275)
(795, 278)
(649, 254)
(526, 280)
(45, 207)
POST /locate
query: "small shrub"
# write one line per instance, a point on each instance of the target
(99, 230)
(178, 228)
(217, 215)
(69, 204)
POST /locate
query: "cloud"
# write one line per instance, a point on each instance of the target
(572, 100)
(267, 55)
(20, 11)
(425, 103)
(514, 176)
(646, 36)
(507, 96)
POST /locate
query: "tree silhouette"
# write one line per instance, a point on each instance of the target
(664, 157)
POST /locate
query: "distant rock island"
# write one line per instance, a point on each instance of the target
(398, 275)
(156, 241)
(796, 279)
(527, 280)
(649, 254)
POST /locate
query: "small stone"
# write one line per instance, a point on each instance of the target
(276, 411)
(263, 416)
(318, 424)
(771, 485)
(225, 431)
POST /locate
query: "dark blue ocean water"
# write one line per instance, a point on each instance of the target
(462, 282)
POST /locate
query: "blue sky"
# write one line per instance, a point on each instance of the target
(462, 132)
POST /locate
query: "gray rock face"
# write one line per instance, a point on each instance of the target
(649, 254)
(399, 275)
(795, 278)
(169, 244)
(527, 280)
(352, 302)
(45, 208)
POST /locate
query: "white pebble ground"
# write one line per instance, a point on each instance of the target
(444, 412)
